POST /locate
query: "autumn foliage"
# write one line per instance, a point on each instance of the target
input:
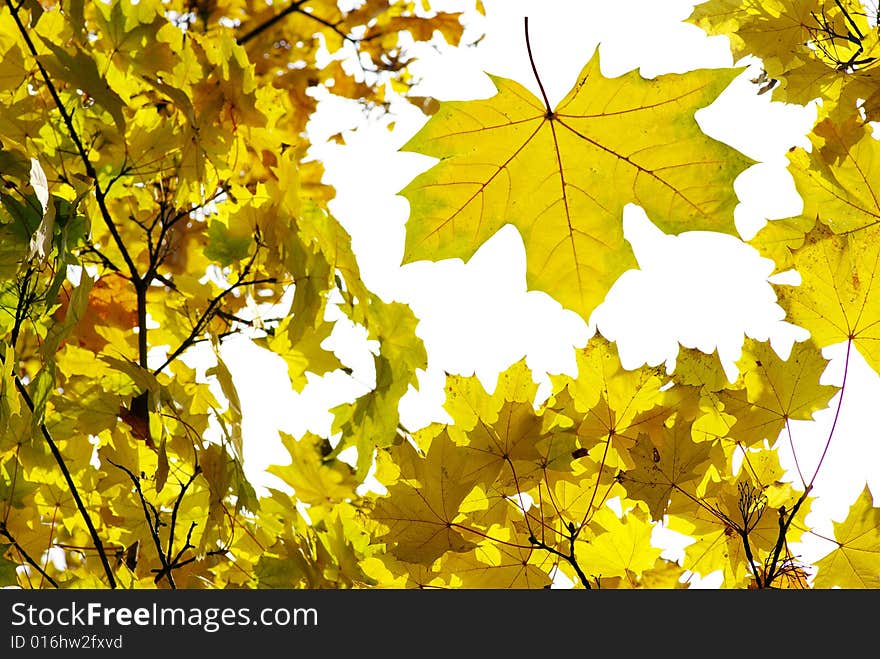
(157, 194)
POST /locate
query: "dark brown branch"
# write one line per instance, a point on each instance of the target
(748, 549)
(59, 459)
(176, 563)
(100, 194)
(332, 27)
(265, 25)
(151, 523)
(167, 282)
(157, 257)
(206, 316)
(105, 261)
(6, 534)
(568, 558)
(140, 290)
(214, 552)
(183, 489)
(851, 22)
(784, 525)
(21, 308)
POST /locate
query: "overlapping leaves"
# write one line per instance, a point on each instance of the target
(156, 197)
(539, 478)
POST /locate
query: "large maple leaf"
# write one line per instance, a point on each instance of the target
(562, 177)
(420, 509)
(658, 473)
(775, 390)
(839, 297)
(853, 564)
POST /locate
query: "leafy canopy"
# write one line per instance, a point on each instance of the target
(562, 176)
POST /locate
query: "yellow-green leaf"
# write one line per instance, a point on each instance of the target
(838, 298)
(563, 177)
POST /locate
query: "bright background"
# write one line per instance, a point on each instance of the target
(698, 289)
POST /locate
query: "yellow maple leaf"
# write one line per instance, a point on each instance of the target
(660, 472)
(421, 508)
(562, 177)
(838, 299)
(622, 545)
(837, 178)
(809, 49)
(775, 390)
(314, 481)
(512, 563)
(853, 564)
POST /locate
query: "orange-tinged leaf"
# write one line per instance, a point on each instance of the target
(563, 177)
(112, 303)
(423, 29)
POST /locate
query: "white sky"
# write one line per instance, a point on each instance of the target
(701, 290)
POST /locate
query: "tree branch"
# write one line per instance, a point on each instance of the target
(153, 525)
(68, 122)
(206, 316)
(265, 25)
(568, 558)
(183, 489)
(6, 534)
(59, 459)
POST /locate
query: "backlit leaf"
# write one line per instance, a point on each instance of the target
(839, 296)
(853, 564)
(563, 177)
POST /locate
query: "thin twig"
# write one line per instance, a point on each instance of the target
(153, 526)
(206, 316)
(183, 489)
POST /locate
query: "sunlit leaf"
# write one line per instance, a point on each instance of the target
(562, 177)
